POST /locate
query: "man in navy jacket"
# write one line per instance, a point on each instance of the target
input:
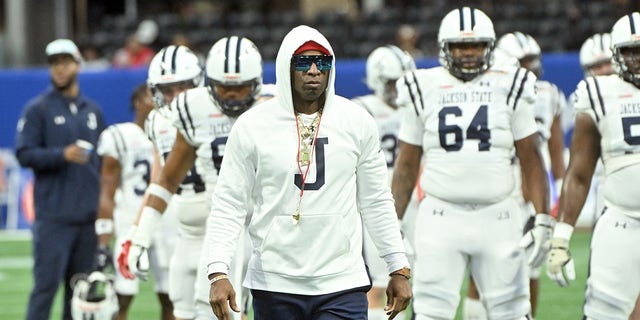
(55, 138)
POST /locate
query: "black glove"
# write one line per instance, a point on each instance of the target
(104, 258)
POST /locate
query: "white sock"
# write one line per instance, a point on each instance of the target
(473, 310)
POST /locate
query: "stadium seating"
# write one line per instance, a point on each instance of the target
(546, 20)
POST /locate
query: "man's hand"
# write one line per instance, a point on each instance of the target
(398, 295)
(75, 154)
(221, 297)
(104, 259)
(537, 240)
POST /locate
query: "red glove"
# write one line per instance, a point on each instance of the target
(123, 261)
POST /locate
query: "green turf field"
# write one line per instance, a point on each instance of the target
(15, 284)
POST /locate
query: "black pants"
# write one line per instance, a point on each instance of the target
(59, 252)
(349, 304)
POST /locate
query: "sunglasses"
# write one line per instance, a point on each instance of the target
(303, 63)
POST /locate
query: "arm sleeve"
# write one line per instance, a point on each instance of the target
(374, 196)
(411, 129)
(230, 200)
(582, 102)
(109, 144)
(523, 123)
(182, 117)
(30, 149)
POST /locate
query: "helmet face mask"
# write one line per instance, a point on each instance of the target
(234, 99)
(471, 30)
(467, 59)
(629, 58)
(385, 65)
(94, 297)
(234, 74)
(625, 46)
(172, 70)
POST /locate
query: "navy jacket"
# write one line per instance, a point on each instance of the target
(63, 192)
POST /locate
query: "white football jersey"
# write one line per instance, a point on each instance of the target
(614, 106)
(159, 127)
(388, 120)
(467, 129)
(550, 103)
(127, 143)
(203, 125)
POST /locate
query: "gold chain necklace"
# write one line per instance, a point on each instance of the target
(306, 142)
(307, 133)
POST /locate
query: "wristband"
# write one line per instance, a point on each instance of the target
(544, 219)
(104, 226)
(219, 277)
(159, 191)
(563, 230)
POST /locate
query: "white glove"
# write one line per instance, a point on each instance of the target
(560, 267)
(138, 260)
(536, 241)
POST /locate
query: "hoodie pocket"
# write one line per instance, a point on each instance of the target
(316, 246)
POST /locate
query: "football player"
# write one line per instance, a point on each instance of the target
(203, 117)
(466, 118)
(548, 110)
(607, 117)
(173, 70)
(385, 65)
(127, 157)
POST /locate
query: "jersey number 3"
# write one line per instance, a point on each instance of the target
(478, 129)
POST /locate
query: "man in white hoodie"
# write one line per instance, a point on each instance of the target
(310, 165)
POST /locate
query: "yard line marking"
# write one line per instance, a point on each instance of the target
(16, 262)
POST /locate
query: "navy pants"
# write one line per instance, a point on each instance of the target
(59, 252)
(343, 305)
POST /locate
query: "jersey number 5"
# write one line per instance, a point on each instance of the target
(626, 128)
(478, 129)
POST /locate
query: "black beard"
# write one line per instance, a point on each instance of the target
(64, 86)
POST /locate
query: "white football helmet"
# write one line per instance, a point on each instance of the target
(626, 34)
(524, 48)
(466, 25)
(94, 297)
(384, 64)
(171, 66)
(595, 50)
(233, 62)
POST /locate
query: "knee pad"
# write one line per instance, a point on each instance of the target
(508, 305)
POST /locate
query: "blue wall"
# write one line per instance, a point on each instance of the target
(111, 89)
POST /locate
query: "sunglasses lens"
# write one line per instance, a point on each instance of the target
(303, 63)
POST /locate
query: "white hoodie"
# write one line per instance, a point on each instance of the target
(346, 185)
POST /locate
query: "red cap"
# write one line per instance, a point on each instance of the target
(311, 45)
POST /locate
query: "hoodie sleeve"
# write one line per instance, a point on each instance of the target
(230, 200)
(374, 195)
